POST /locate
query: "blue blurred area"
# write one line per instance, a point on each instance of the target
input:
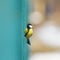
(13, 20)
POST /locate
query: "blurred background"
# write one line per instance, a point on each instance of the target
(44, 15)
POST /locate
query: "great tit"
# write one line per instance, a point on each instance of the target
(28, 33)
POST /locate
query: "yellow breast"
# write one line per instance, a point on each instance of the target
(30, 33)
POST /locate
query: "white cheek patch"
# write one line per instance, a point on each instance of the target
(30, 26)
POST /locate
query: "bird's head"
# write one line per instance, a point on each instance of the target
(29, 26)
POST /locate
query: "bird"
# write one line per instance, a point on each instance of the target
(28, 33)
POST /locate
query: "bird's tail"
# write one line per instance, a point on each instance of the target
(28, 42)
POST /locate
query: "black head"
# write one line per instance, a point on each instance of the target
(29, 26)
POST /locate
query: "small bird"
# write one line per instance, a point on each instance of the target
(28, 33)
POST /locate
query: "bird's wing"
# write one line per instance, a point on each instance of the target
(26, 30)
